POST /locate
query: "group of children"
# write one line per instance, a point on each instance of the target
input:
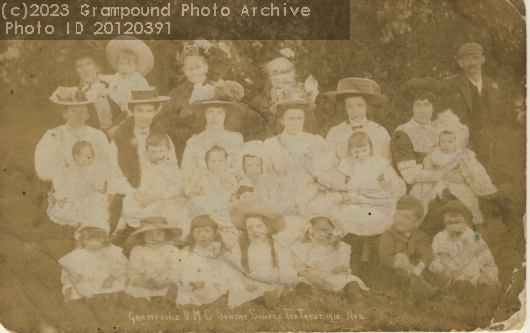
(260, 266)
(218, 233)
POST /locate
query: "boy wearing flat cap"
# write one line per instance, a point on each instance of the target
(462, 259)
(405, 249)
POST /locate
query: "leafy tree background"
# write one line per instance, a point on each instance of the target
(391, 42)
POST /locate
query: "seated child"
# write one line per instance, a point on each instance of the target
(212, 188)
(160, 184)
(266, 264)
(205, 277)
(405, 249)
(368, 193)
(459, 170)
(81, 192)
(321, 259)
(95, 267)
(126, 61)
(253, 170)
(154, 268)
(461, 257)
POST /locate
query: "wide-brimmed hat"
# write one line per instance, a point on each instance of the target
(90, 231)
(467, 49)
(359, 86)
(243, 208)
(223, 93)
(402, 99)
(154, 223)
(149, 95)
(294, 93)
(70, 96)
(331, 212)
(134, 45)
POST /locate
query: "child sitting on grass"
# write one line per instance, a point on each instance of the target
(405, 249)
(462, 259)
(154, 268)
(94, 268)
(204, 277)
(321, 259)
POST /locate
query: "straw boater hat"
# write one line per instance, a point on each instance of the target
(71, 96)
(145, 96)
(134, 45)
(404, 92)
(241, 209)
(154, 223)
(359, 86)
(321, 209)
(291, 94)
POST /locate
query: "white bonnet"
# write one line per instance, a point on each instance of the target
(448, 121)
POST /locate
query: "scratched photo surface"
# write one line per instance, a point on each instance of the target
(370, 184)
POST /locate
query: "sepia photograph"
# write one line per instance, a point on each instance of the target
(262, 166)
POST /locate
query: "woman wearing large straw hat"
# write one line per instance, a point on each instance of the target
(266, 262)
(296, 158)
(411, 141)
(358, 96)
(128, 152)
(217, 114)
(53, 154)
(197, 85)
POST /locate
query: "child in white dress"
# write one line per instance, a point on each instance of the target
(321, 259)
(125, 57)
(266, 264)
(205, 275)
(81, 192)
(255, 181)
(368, 193)
(96, 267)
(212, 188)
(160, 184)
(461, 257)
(459, 170)
(154, 268)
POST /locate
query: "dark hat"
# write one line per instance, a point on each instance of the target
(241, 209)
(358, 86)
(408, 202)
(406, 91)
(455, 206)
(467, 49)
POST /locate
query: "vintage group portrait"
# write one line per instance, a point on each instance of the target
(370, 184)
